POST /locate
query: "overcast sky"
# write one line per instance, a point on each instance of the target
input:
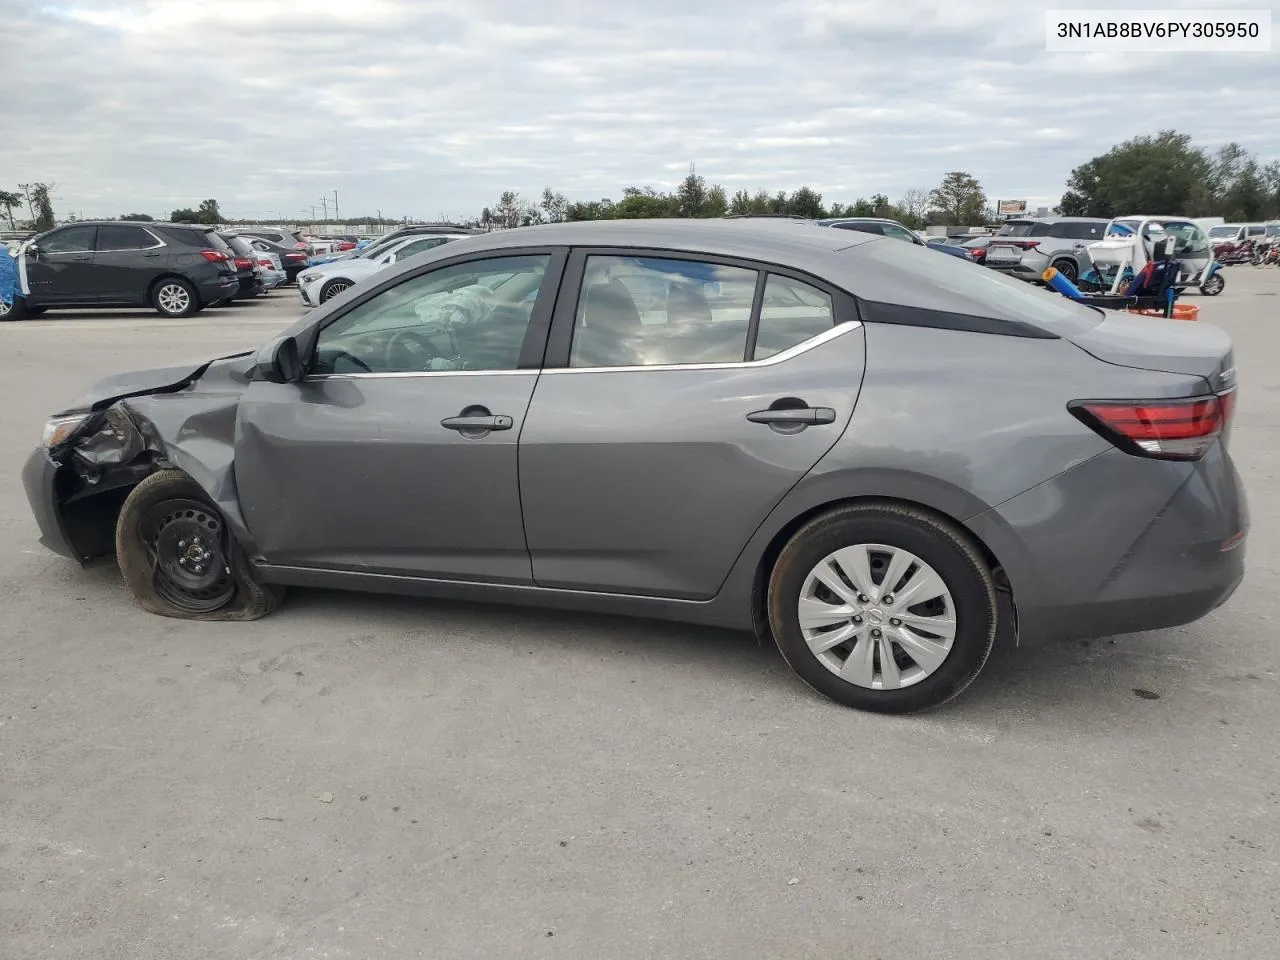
(422, 108)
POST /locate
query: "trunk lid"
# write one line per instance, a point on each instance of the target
(1168, 346)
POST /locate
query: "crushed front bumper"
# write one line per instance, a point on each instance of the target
(40, 479)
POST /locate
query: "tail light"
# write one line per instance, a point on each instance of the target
(265, 263)
(243, 263)
(1159, 429)
(214, 256)
(1023, 244)
(295, 256)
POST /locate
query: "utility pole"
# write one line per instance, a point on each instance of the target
(336, 215)
(325, 202)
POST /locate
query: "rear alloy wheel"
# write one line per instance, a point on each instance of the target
(333, 288)
(179, 560)
(1214, 285)
(1068, 269)
(175, 298)
(883, 607)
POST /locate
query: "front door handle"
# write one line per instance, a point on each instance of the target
(85, 257)
(793, 416)
(465, 424)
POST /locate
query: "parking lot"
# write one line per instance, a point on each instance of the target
(377, 777)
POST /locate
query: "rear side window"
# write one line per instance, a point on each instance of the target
(1086, 231)
(861, 227)
(897, 232)
(904, 283)
(112, 236)
(239, 245)
(791, 313)
(652, 311)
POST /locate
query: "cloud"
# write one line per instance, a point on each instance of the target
(423, 108)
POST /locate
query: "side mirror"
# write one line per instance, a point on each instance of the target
(277, 362)
(33, 251)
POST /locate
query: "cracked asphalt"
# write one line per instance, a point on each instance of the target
(372, 777)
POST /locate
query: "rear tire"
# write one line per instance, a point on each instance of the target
(1214, 285)
(1068, 269)
(935, 645)
(175, 297)
(17, 310)
(178, 558)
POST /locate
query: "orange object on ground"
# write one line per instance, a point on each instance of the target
(1181, 311)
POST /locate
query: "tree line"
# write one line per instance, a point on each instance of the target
(958, 199)
(1165, 173)
(1168, 174)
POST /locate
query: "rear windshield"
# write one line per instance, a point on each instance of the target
(241, 246)
(217, 242)
(1023, 228)
(917, 277)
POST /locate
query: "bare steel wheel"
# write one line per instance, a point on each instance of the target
(877, 616)
(186, 540)
(178, 557)
(883, 606)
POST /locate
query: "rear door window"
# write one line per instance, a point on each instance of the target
(898, 233)
(653, 311)
(791, 313)
(119, 236)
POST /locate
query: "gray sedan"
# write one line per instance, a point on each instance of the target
(871, 453)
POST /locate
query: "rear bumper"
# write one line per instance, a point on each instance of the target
(1122, 545)
(39, 478)
(220, 289)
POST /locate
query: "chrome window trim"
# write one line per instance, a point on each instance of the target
(788, 354)
(791, 352)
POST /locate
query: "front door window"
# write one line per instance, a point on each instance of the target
(467, 316)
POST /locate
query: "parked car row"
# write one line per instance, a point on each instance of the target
(175, 268)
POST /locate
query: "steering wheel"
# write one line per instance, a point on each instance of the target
(415, 348)
(339, 354)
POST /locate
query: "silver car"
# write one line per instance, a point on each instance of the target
(874, 454)
(1025, 248)
(325, 281)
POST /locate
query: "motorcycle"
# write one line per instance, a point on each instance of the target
(1232, 254)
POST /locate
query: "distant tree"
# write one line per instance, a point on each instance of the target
(717, 204)
(9, 200)
(531, 214)
(1246, 198)
(960, 198)
(692, 194)
(138, 217)
(591, 210)
(741, 203)
(805, 202)
(860, 208)
(209, 213)
(39, 205)
(914, 205)
(1160, 173)
(509, 209)
(645, 203)
(486, 218)
(555, 206)
(184, 215)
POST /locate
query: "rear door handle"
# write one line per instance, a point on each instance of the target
(476, 424)
(86, 257)
(793, 416)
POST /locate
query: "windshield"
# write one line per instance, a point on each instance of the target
(1224, 231)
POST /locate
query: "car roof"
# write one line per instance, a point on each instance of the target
(1057, 220)
(827, 220)
(166, 224)
(755, 239)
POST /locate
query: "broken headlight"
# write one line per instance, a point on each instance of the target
(59, 428)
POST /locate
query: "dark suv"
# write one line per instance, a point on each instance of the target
(174, 267)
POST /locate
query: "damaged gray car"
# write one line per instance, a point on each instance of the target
(872, 454)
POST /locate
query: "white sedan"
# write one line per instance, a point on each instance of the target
(320, 283)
